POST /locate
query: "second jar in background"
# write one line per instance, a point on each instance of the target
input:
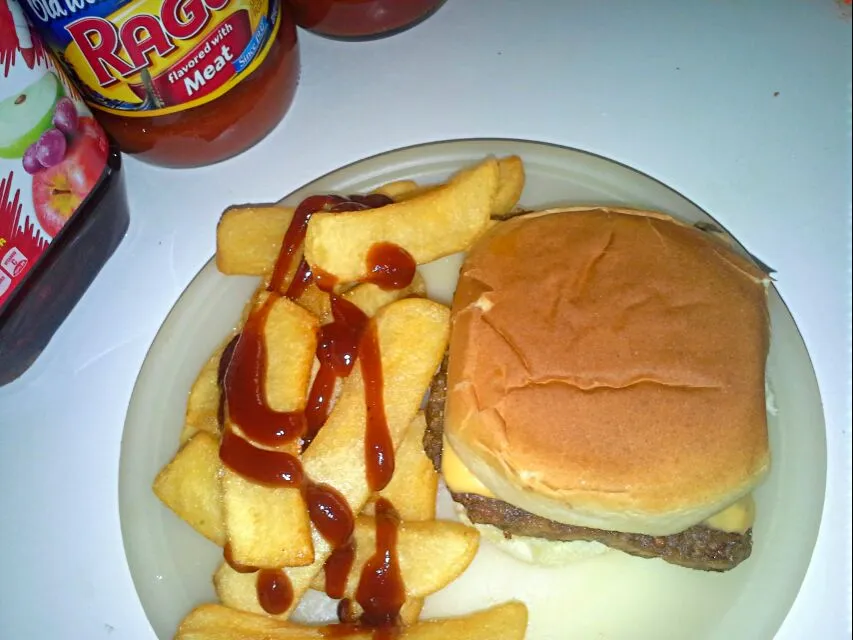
(360, 19)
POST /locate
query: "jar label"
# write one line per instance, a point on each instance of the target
(52, 152)
(153, 57)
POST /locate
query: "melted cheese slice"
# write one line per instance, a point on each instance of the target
(457, 477)
(737, 518)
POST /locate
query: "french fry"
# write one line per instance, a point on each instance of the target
(397, 189)
(269, 526)
(203, 401)
(186, 434)
(431, 555)
(412, 491)
(189, 486)
(412, 335)
(413, 486)
(314, 300)
(367, 297)
(506, 621)
(248, 239)
(215, 622)
(510, 186)
(370, 298)
(414, 193)
(290, 334)
(442, 221)
(410, 612)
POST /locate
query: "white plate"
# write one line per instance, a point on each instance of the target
(611, 596)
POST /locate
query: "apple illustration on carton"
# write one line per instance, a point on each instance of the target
(26, 116)
(58, 190)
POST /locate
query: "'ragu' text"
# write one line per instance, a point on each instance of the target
(100, 41)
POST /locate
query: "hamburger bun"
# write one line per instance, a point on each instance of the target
(606, 369)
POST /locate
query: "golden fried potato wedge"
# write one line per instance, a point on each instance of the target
(203, 401)
(239, 590)
(414, 193)
(314, 300)
(442, 221)
(410, 612)
(397, 189)
(367, 297)
(370, 298)
(413, 486)
(412, 491)
(506, 621)
(510, 186)
(431, 554)
(511, 182)
(248, 239)
(189, 486)
(412, 335)
(268, 526)
(215, 622)
(187, 432)
(290, 334)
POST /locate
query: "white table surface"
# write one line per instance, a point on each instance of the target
(742, 106)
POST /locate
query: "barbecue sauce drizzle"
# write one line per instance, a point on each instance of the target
(337, 352)
(390, 266)
(348, 338)
(378, 446)
(245, 395)
(381, 592)
(295, 234)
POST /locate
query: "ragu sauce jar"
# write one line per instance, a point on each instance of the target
(63, 208)
(360, 19)
(178, 83)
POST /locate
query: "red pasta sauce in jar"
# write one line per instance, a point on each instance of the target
(178, 83)
(361, 19)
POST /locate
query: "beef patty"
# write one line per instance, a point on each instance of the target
(698, 547)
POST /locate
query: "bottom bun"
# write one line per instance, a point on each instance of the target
(536, 551)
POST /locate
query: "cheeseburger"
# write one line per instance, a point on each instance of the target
(604, 388)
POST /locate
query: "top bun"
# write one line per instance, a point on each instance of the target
(607, 369)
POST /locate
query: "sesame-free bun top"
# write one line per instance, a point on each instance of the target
(607, 369)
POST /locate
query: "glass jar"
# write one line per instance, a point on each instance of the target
(361, 19)
(178, 83)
